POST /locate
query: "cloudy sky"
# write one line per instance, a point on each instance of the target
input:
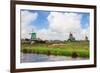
(54, 25)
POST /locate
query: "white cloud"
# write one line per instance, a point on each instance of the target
(26, 18)
(64, 22)
(48, 34)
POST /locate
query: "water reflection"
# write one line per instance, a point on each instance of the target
(45, 58)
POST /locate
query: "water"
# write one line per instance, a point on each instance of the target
(45, 58)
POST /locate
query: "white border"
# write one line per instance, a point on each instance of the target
(52, 64)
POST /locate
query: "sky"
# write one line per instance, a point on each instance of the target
(54, 25)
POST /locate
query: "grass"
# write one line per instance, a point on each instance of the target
(81, 48)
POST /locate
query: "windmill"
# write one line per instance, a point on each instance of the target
(33, 36)
(86, 38)
(71, 37)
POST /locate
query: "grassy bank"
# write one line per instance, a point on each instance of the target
(81, 48)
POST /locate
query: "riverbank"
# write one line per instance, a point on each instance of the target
(66, 49)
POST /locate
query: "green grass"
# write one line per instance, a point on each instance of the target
(81, 48)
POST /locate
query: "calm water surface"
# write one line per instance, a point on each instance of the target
(45, 58)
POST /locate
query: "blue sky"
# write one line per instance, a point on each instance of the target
(51, 23)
